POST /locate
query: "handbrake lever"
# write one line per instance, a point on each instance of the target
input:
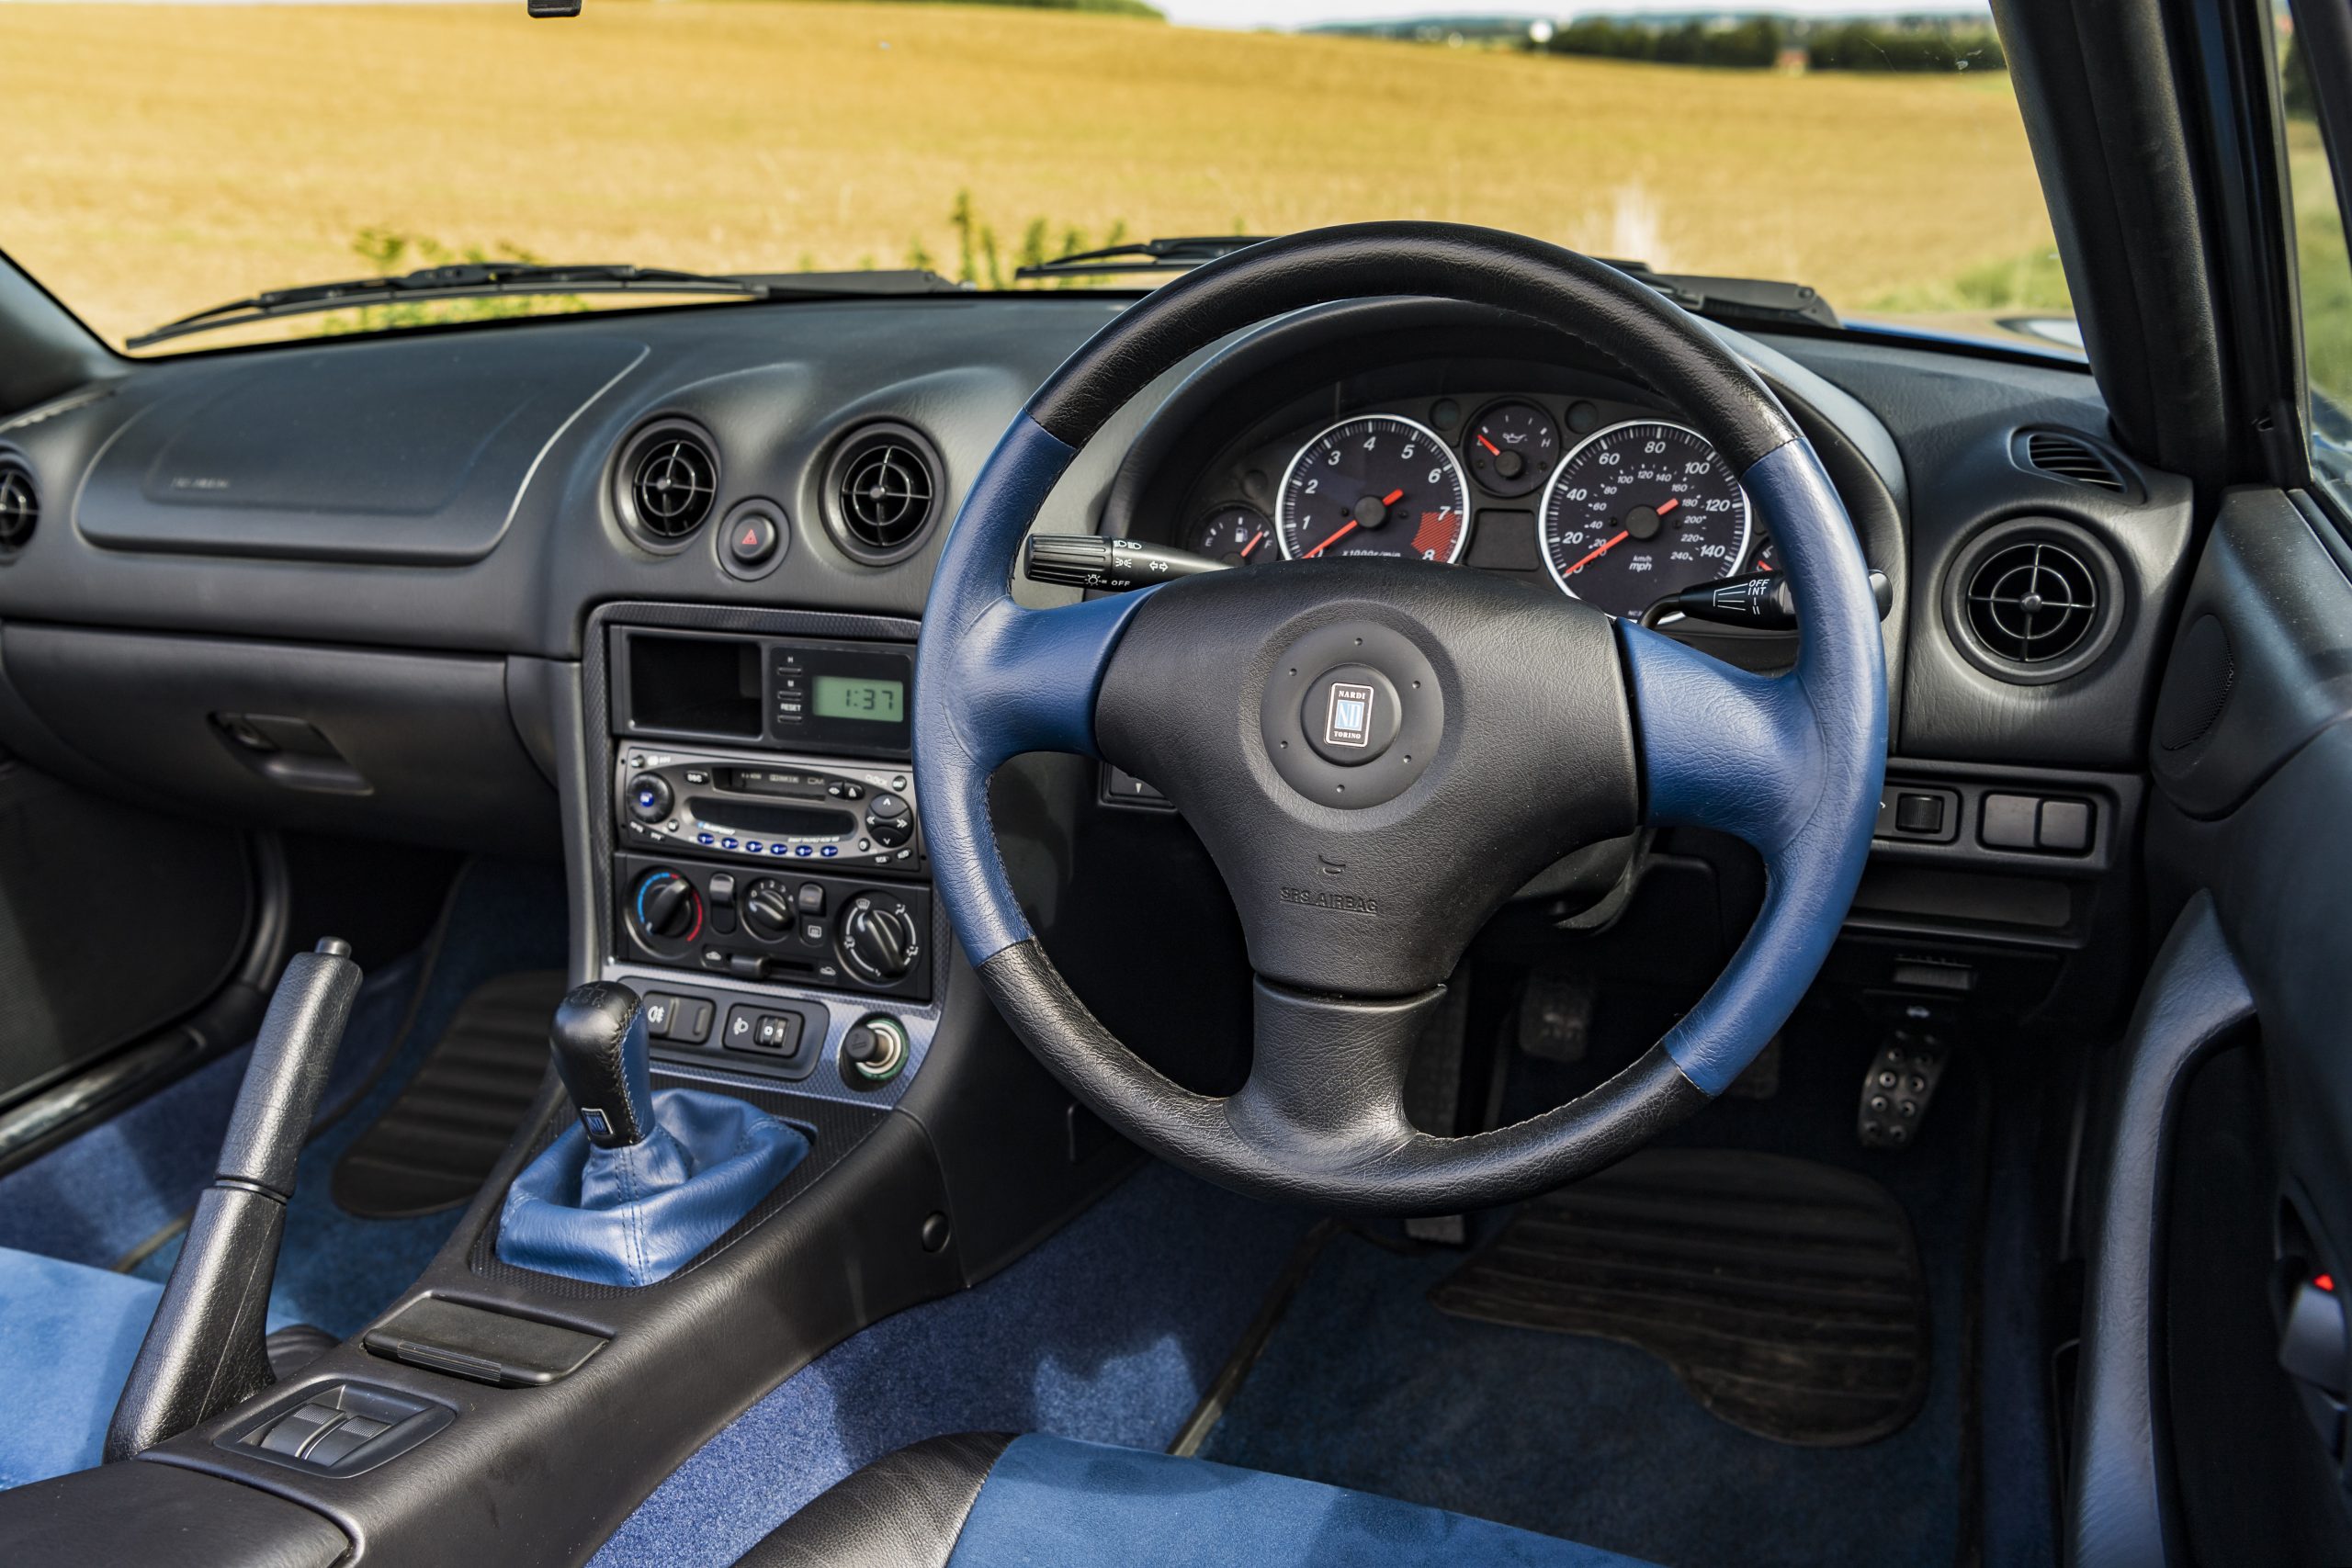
(204, 1351)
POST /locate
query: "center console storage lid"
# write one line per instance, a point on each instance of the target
(290, 456)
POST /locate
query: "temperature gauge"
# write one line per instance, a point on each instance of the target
(1512, 447)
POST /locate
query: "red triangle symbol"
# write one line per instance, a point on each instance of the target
(751, 537)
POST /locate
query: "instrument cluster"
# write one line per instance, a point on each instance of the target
(1618, 506)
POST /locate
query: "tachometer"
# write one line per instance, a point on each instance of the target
(1378, 484)
(1640, 510)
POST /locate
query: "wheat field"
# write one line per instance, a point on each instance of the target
(160, 159)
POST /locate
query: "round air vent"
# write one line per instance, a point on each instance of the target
(665, 482)
(883, 491)
(2033, 601)
(20, 507)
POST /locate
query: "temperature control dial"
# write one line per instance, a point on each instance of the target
(879, 939)
(666, 911)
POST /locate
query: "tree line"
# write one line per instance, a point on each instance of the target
(1759, 43)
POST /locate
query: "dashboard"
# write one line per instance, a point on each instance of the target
(539, 588)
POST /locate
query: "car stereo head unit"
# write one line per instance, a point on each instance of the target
(769, 808)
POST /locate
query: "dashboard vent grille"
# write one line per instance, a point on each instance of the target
(2072, 458)
(666, 482)
(885, 493)
(673, 482)
(19, 506)
(2032, 603)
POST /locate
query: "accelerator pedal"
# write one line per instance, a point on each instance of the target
(1902, 1079)
(1786, 1295)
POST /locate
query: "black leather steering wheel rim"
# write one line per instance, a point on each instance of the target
(1647, 731)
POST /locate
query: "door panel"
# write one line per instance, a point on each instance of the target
(114, 921)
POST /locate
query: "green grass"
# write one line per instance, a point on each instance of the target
(2031, 282)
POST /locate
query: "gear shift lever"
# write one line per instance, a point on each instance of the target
(602, 1056)
(647, 1182)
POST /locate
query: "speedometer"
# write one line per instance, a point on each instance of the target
(1640, 510)
(1378, 484)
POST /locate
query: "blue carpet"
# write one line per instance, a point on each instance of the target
(1110, 1331)
(338, 1271)
(1366, 1385)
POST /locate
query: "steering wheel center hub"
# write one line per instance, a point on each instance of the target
(1353, 714)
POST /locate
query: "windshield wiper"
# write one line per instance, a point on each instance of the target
(481, 281)
(1750, 299)
(1179, 254)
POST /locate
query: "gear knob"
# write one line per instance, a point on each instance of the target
(606, 1064)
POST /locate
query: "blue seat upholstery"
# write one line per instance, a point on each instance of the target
(68, 1335)
(1049, 1501)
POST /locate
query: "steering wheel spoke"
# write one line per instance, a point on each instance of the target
(1327, 1079)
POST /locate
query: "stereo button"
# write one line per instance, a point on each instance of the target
(649, 797)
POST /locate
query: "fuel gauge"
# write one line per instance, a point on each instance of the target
(1236, 535)
(1512, 447)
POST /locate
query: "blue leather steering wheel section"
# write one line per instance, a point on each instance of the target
(1793, 765)
(993, 680)
(637, 1214)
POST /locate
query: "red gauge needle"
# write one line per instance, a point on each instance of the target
(1596, 555)
(1668, 505)
(1392, 498)
(1255, 540)
(1489, 445)
(1335, 538)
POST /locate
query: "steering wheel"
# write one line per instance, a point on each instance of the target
(1377, 754)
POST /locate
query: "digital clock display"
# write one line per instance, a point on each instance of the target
(858, 697)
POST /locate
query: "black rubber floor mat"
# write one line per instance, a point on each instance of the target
(432, 1149)
(1786, 1295)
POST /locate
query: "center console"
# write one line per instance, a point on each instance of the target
(769, 890)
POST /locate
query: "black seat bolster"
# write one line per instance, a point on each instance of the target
(904, 1510)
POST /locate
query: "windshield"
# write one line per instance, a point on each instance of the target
(168, 160)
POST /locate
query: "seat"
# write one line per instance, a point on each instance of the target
(977, 1501)
(68, 1335)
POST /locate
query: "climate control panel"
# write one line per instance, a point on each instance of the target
(783, 924)
(781, 811)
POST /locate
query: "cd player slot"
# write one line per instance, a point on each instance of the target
(775, 821)
(775, 781)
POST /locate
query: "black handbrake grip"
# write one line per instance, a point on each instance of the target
(1110, 566)
(1762, 599)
